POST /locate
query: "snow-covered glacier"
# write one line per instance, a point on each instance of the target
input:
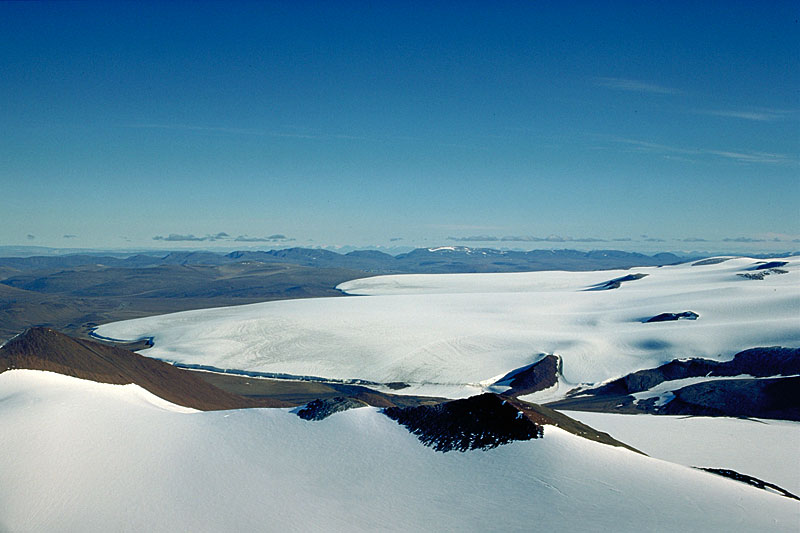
(450, 333)
(85, 456)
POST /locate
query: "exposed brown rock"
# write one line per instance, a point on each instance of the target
(539, 376)
(47, 349)
(486, 421)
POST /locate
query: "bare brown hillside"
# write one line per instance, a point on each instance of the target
(46, 349)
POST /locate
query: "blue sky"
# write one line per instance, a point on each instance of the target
(529, 125)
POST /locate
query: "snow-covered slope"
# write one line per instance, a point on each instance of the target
(766, 449)
(457, 329)
(82, 456)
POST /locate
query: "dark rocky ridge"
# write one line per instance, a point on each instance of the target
(757, 362)
(536, 377)
(476, 423)
(750, 480)
(46, 349)
(776, 397)
(487, 421)
(667, 317)
(761, 274)
(322, 409)
(712, 261)
(770, 265)
(615, 283)
(298, 393)
(49, 350)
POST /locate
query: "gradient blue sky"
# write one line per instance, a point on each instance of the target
(641, 125)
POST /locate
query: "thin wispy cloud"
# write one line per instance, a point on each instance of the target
(752, 157)
(278, 237)
(759, 115)
(630, 85)
(475, 238)
(742, 239)
(465, 227)
(221, 236)
(739, 156)
(176, 237)
(523, 238)
(246, 131)
(189, 127)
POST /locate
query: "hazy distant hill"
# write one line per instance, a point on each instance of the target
(72, 299)
(45, 349)
(450, 259)
(72, 293)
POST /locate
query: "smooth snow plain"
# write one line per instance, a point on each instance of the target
(766, 449)
(84, 456)
(453, 334)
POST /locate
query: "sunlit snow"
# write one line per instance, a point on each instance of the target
(84, 456)
(450, 331)
(766, 449)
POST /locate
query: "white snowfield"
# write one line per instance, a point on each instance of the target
(83, 456)
(766, 449)
(450, 334)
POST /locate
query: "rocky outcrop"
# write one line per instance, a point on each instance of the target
(615, 283)
(776, 397)
(487, 421)
(47, 349)
(322, 409)
(770, 264)
(756, 362)
(711, 261)
(477, 423)
(533, 378)
(761, 274)
(667, 317)
(760, 398)
(763, 269)
(750, 480)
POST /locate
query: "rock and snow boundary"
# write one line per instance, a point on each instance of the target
(449, 334)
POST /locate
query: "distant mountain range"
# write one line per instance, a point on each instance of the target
(446, 259)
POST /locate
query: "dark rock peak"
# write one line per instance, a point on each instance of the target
(477, 423)
(667, 317)
(711, 261)
(773, 392)
(770, 264)
(750, 480)
(761, 274)
(757, 362)
(322, 409)
(487, 421)
(777, 398)
(541, 375)
(616, 282)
